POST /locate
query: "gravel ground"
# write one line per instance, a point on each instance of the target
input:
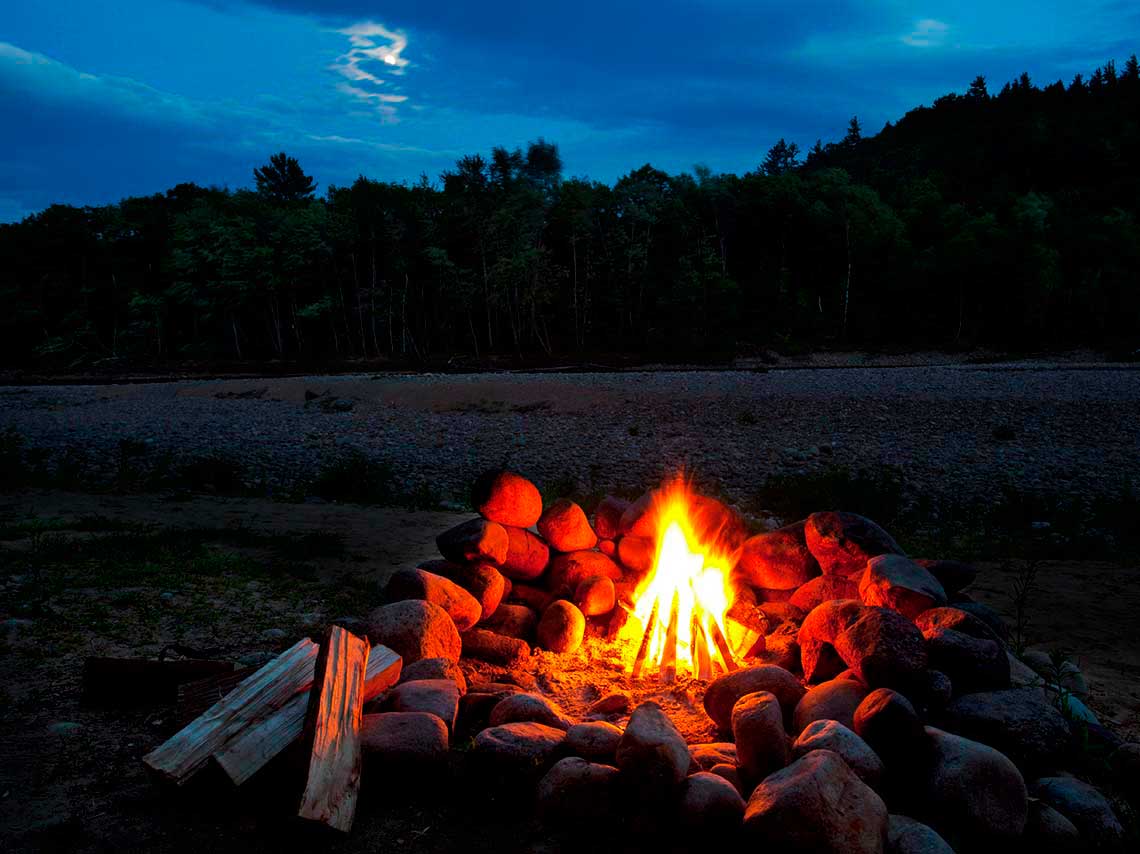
(1074, 428)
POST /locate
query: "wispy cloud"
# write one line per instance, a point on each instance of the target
(42, 77)
(372, 64)
(927, 33)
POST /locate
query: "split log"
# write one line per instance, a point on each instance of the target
(668, 669)
(141, 681)
(257, 697)
(646, 640)
(332, 730)
(195, 697)
(252, 749)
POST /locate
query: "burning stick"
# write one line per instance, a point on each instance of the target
(701, 649)
(669, 657)
(618, 619)
(722, 645)
(643, 650)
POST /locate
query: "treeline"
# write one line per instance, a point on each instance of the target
(1005, 220)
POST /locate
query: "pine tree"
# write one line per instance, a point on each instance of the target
(1131, 69)
(854, 132)
(283, 180)
(782, 157)
(978, 89)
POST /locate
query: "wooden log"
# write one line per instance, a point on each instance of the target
(257, 697)
(722, 645)
(332, 731)
(140, 681)
(195, 697)
(491, 646)
(646, 639)
(618, 620)
(251, 749)
(669, 657)
(701, 653)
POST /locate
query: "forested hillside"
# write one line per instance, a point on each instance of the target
(1005, 220)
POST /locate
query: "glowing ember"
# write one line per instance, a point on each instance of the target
(680, 607)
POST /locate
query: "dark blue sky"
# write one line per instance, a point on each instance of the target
(101, 100)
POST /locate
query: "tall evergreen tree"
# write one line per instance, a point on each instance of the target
(781, 158)
(854, 132)
(283, 180)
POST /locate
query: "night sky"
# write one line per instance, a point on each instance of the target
(102, 100)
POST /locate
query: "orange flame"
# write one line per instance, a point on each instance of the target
(681, 604)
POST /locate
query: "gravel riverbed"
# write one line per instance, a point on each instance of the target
(958, 431)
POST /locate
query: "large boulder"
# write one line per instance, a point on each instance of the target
(481, 580)
(435, 668)
(596, 596)
(518, 748)
(576, 793)
(405, 739)
(636, 554)
(907, 836)
(711, 753)
(971, 794)
(1088, 810)
(527, 555)
(439, 697)
(652, 753)
(885, 649)
(607, 517)
(817, 635)
(824, 588)
(972, 664)
(953, 617)
(1019, 722)
(843, 542)
(777, 560)
(593, 740)
(565, 527)
(415, 629)
(561, 627)
(507, 498)
(474, 541)
(953, 575)
(529, 707)
(1049, 832)
(567, 571)
(834, 736)
(514, 621)
(834, 700)
(710, 804)
(817, 804)
(758, 729)
(463, 608)
(723, 692)
(896, 582)
(888, 722)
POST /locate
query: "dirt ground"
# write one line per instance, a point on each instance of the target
(88, 575)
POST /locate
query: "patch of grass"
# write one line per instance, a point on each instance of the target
(746, 418)
(212, 473)
(14, 469)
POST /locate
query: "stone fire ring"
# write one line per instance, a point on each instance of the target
(882, 711)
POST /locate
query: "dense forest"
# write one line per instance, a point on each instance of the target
(1006, 220)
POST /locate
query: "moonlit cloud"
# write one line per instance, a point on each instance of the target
(374, 59)
(926, 33)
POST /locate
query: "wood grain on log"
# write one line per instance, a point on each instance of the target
(332, 730)
(257, 697)
(251, 749)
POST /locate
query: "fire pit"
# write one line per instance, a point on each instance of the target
(811, 686)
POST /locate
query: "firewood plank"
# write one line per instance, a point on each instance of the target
(187, 751)
(251, 749)
(332, 730)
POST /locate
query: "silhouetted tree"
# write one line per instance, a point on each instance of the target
(283, 180)
(854, 132)
(782, 157)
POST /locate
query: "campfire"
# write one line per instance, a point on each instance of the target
(654, 660)
(680, 607)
